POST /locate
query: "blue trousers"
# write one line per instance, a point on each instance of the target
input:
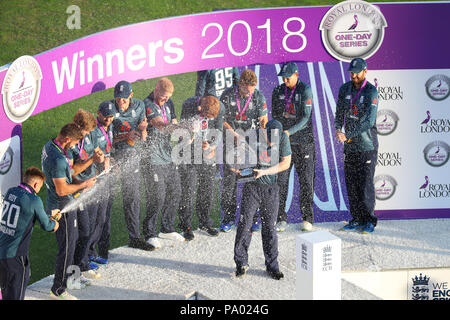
(99, 220)
(197, 190)
(85, 217)
(66, 238)
(304, 159)
(14, 277)
(163, 190)
(359, 169)
(266, 198)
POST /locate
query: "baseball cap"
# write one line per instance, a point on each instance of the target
(122, 89)
(357, 65)
(288, 69)
(273, 125)
(106, 108)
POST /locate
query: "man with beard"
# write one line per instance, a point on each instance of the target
(129, 129)
(58, 171)
(356, 111)
(100, 223)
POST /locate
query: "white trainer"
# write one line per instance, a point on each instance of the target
(307, 226)
(91, 274)
(171, 236)
(281, 226)
(154, 242)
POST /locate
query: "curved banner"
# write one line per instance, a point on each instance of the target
(407, 59)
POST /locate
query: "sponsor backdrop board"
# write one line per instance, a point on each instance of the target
(407, 59)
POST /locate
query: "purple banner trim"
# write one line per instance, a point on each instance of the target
(413, 214)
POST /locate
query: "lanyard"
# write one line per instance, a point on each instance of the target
(108, 142)
(163, 111)
(241, 112)
(287, 101)
(25, 187)
(353, 99)
(61, 148)
(82, 144)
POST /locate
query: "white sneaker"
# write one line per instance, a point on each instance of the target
(63, 296)
(91, 274)
(307, 226)
(281, 226)
(154, 242)
(171, 236)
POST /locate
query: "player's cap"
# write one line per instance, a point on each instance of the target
(288, 69)
(106, 108)
(357, 65)
(273, 125)
(122, 89)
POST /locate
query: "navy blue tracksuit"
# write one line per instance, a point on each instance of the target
(357, 114)
(21, 209)
(296, 117)
(266, 198)
(55, 164)
(262, 193)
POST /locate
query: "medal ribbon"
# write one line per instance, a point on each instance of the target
(353, 99)
(108, 141)
(287, 101)
(61, 148)
(241, 112)
(163, 111)
(25, 187)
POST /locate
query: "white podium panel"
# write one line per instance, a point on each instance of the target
(318, 257)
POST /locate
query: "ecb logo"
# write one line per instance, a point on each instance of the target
(353, 29)
(419, 289)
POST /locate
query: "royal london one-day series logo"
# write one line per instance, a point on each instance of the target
(438, 87)
(385, 187)
(21, 88)
(387, 121)
(352, 29)
(436, 153)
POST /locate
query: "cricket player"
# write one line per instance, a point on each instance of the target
(245, 109)
(292, 104)
(21, 208)
(162, 180)
(129, 128)
(100, 223)
(274, 156)
(83, 156)
(213, 82)
(58, 171)
(356, 113)
(197, 176)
